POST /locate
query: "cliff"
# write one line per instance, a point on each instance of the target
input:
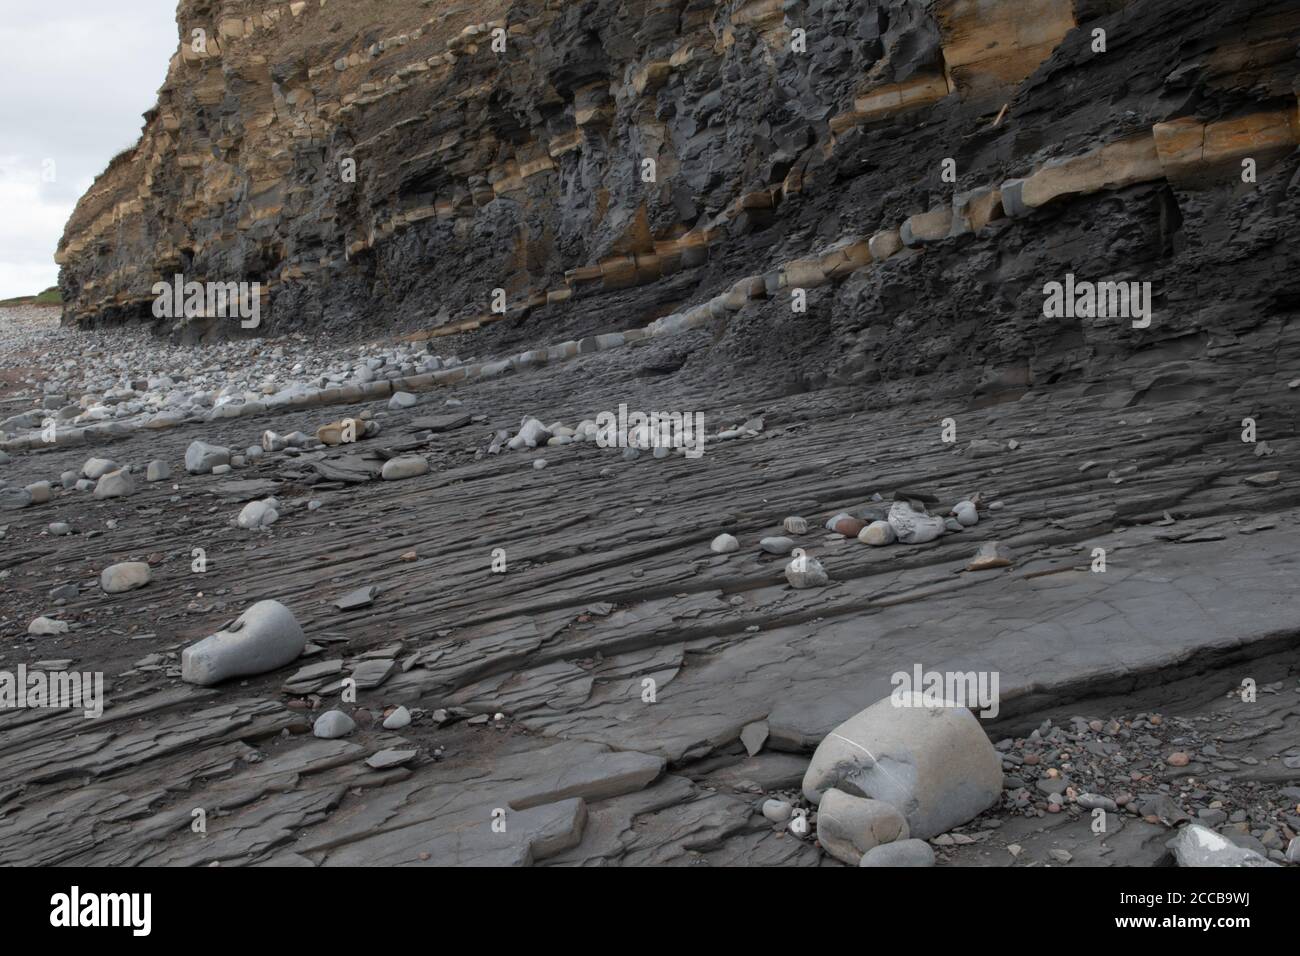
(921, 169)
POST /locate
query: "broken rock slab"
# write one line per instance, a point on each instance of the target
(439, 423)
(934, 763)
(359, 598)
(263, 638)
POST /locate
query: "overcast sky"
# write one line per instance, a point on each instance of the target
(75, 77)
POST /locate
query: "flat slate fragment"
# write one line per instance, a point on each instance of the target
(439, 423)
(359, 598)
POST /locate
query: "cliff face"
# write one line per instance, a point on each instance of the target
(920, 169)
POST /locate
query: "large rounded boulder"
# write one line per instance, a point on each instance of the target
(933, 763)
(265, 637)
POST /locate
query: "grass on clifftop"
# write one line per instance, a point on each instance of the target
(49, 297)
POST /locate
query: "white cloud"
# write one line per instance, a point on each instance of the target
(76, 77)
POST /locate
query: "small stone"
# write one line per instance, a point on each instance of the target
(777, 545)
(115, 484)
(402, 400)
(359, 598)
(966, 514)
(1263, 479)
(396, 469)
(847, 525)
(95, 468)
(539, 464)
(778, 811)
(912, 527)
(1178, 759)
(60, 528)
(830, 522)
(201, 458)
(46, 626)
(157, 470)
(878, 534)
(333, 724)
(983, 448)
(806, 572)
(848, 826)
(900, 853)
(532, 433)
(1197, 846)
(1093, 801)
(795, 525)
(724, 544)
(11, 499)
(259, 514)
(40, 491)
(989, 555)
(753, 736)
(399, 718)
(127, 576)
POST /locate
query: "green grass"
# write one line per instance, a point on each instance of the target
(49, 297)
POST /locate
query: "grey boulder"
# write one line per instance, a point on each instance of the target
(263, 638)
(934, 763)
